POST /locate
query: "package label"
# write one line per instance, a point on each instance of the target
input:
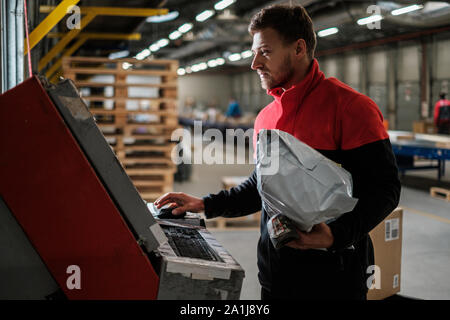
(392, 229)
(395, 282)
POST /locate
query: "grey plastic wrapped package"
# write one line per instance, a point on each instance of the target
(300, 183)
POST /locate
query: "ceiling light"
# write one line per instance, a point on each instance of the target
(406, 9)
(188, 70)
(220, 61)
(234, 57)
(246, 54)
(164, 18)
(119, 54)
(185, 27)
(162, 43)
(374, 18)
(154, 47)
(203, 65)
(181, 71)
(327, 32)
(175, 35)
(204, 15)
(143, 54)
(126, 65)
(195, 68)
(223, 4)
(212, 63)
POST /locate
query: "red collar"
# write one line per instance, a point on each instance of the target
(298, 91)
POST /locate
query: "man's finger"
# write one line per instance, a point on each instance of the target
(294, 245)
(163, 197)
(302, 237)
(163, 202)
(168, 197)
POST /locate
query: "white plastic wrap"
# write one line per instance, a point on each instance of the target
(297, 181)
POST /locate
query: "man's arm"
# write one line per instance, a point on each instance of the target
(239, 201)
(376, 185)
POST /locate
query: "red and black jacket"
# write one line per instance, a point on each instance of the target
(442, 112)
(346, 127)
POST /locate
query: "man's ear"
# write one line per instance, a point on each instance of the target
(300, 48)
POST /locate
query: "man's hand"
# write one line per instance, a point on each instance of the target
(319, 237)
(182, 201)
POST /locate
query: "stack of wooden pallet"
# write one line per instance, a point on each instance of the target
(134, 103)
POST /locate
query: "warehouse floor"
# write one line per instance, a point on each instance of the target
(426, 234)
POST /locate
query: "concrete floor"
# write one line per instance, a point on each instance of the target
(426, 235)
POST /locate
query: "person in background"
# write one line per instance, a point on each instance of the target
(442, 114)
(234, 110)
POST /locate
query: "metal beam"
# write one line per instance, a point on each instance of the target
(68, 52)
(101, 36)
(58, 48)
(115, 11)
(55, 78)
(379, 42)
(89, 36)
(90, 14)
(56, 14)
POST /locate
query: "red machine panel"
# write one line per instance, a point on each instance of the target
(56, 196)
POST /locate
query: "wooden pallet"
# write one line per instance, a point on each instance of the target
(143, 145)
(440, 193)
(157, 160)
(111, 129)
(248, 222)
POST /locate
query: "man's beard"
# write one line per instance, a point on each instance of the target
(286, 75)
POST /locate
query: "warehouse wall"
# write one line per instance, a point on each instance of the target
(246, 87)
(395, 72)
(440, 69)
(408, 86)
(367, 72)
(376, 86)
(206, 90)
(390, 75)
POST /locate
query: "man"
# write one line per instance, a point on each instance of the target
(442, 114)
(342, 124)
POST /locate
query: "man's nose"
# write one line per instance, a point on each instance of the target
(256, 62)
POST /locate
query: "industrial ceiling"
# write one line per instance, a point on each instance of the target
(224, 33)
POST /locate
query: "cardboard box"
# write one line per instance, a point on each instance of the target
(387, 242)
(424, 126)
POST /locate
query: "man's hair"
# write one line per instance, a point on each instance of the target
(442, 95)
(292, 22)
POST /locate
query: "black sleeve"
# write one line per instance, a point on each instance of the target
(239, 201)
(375, 184)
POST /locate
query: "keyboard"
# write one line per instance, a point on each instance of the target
(187, 242)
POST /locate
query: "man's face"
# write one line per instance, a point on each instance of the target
(272, 58)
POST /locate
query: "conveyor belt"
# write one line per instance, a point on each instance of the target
(408, 144)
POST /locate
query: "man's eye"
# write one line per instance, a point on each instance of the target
(265, 52)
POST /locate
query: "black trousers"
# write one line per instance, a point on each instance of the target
(267, 296)
(444, 129)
